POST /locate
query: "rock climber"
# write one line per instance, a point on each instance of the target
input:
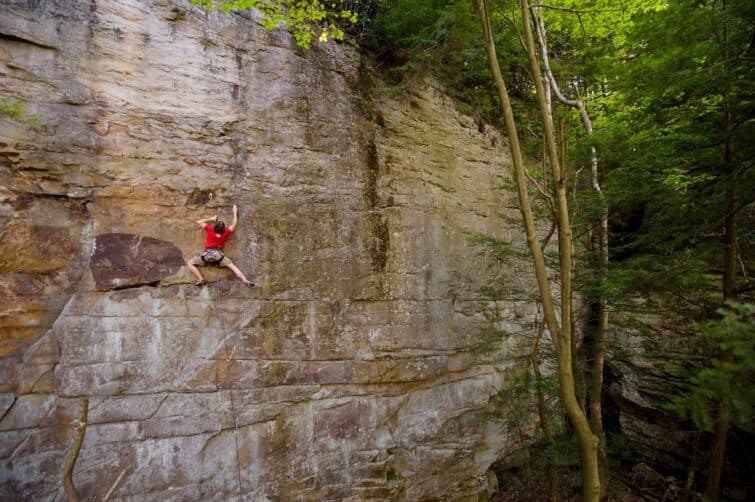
(213, 254)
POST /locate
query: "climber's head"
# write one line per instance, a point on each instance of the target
(219, 227)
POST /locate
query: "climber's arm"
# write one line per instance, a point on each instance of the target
(205, 221)
(235, 218)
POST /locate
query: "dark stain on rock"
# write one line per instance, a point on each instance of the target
(373, 169)
(199, 197)
(22, 202)
(27, 284)
(379, 239)
(379, 244)
(175, 13)
(16, 38)
(128, 260)
(9, 159)
(481, 124)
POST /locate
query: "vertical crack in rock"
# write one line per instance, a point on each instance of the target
(379, 238)
(6, 403)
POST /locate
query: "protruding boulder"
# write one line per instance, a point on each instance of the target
(126, 260)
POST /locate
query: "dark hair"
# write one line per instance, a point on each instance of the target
(219, 227)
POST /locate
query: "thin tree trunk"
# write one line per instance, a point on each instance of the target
(721, 427)
(598, 348)
(587, 441)
(596, 384)
(579, 383)
(561, 335)
(114, 486)
(78, 438)
(730, 220)
(718, 452)
(542, 412)
(525, 207)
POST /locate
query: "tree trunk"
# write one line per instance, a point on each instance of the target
(598, 348)
(525, 207)
(587, 441)
(542, 412)
(78, 438)
(721, 427)
(561, 335)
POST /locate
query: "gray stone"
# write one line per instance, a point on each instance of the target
(6, 401)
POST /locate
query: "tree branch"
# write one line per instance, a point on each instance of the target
(569, 9)
(114, 487)
(78, 438)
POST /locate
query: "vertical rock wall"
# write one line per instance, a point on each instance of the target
(346, 374)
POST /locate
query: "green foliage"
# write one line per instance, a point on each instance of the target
(414, 23)
(307, 19)
(654, 75)
(412, 37)
(390, 91)
(498, 255)
(498, 251)
(17, 111)
(14, 108)
(731, 375)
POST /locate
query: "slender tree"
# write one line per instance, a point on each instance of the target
(560, 332)
(601, 242)
(729, 273)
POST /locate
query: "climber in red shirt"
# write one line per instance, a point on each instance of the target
(217, 234)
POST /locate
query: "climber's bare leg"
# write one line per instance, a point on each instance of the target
(194, 270)
(229, 264)
(238, 273)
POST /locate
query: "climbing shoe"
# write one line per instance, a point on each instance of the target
(200, 283)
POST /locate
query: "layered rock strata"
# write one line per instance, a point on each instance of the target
(347, 373)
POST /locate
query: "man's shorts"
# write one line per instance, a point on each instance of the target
(197, 260)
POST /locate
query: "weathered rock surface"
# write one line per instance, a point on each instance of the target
(126, 260)
(645, 372)
(347, 374)
(647, 369)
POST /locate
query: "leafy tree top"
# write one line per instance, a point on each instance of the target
(307, 19)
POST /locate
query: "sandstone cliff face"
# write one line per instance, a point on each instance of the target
(347, 373)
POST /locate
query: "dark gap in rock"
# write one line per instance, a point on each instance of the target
(152, 284)
(14, 38)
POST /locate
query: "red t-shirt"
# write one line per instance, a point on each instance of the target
(213, 240)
